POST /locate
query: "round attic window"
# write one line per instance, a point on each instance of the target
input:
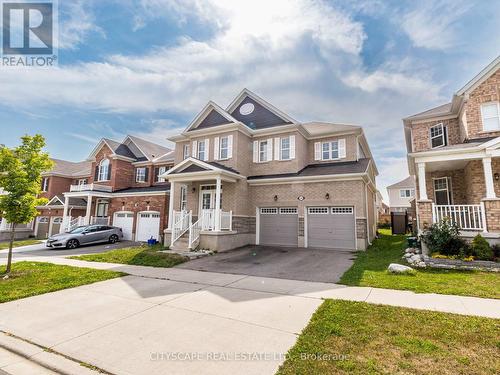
(247, 108)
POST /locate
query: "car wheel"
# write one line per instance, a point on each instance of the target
(72, 244)
(113, 238)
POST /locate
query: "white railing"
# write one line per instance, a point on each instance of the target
(90, 187)
(466, 216)
(102, 220)
(194, 234)
(226, 220)
(208, 218)
(6, 226)
(73, 223)
(182, 222)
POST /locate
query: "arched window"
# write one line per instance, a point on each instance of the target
(103, 174)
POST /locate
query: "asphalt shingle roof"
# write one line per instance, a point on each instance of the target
(71, 169)
(407, 182)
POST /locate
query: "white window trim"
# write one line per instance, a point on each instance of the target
(444, 135)
(183, 198)
(406, 190)
(139, 176)
(161, 170)
(448, 189)
(103, 170)
(265, 152)
(82, 181)
(198, 151)
(185, 152)
(284, 149)
(45, 184)
(329, 143)
(220, 148)
(498, 116)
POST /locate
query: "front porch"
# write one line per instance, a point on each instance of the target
(465, 191)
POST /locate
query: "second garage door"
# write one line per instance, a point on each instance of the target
(148, 225)
(331, 227)
(279, 226)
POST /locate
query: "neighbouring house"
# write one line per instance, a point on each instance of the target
(383, 211)
(119, 184)
(251, 174)
(454, 151)
(401, 194)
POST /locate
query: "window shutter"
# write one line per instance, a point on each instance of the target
(96, 175)
(317, 151)
(277, 149)
(216, 148)
(207, 149)
(269, 149)
(342, 151)
(255, 151)
(195, 149)
(292, 147)
(146, 174)
(230, 146)
(109, 172)
(157, 174)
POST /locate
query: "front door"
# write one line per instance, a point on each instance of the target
(207, 206)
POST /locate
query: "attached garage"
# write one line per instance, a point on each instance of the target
(56, 225)
(125, 221)
(42, 228)
(148, 225)
(331, 228)
(278, 226)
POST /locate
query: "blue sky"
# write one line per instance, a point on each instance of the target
(146, 67)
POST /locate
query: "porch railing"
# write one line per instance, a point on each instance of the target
(466, 216)
(90, 187)
(182, 222)
(194, 234)
(73, 223)
(208, 218)
(99, 220)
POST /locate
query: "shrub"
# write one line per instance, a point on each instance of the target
(384, 225)
(496, 252)
(481, 248)
(439, 236)
(457, 246)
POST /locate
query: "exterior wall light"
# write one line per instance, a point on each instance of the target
(327, 196)
(275, 198)
(496, 176)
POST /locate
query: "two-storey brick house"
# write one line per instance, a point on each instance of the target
(454, 152)
(251, 174)
(118, 184)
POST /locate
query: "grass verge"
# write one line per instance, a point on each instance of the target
(137, 256)
(370, 269)
(5, 245)
(359, 338)
(32, 278)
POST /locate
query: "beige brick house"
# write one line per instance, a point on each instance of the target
(454, 152)
(118, 185)
(251, 174)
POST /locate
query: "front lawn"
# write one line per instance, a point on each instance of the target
(358, 338)
(370, 269)
(32, 278)
(5, 245)
(137, 256)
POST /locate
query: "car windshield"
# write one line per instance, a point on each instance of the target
(77, 230)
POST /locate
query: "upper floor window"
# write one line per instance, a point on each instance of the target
(45, 184)
(406, 193)
(82, 181)
(490, 113)
(201, 150)
(224, 148)
(285, 148)
(330, 150)
(104, 170)
(263, 145)
(161, 171)
(183, 198)
(185, 152)
(141, 174)
(439, 135)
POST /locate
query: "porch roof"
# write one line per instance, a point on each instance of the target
(192, 169)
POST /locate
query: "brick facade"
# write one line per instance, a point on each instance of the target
(420, 132)
(492, 208)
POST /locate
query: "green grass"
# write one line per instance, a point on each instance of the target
(5, 245)
(359, 338)
(32, 278)
(370, 269)
(137, 256)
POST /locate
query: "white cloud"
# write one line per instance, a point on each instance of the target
(83, 137)
(391, 170)
(433, 24)
(76, 23)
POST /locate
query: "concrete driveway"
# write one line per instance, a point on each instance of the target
(318, 265)
(42, 250)
(214, 324)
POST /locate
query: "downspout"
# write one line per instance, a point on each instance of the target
(366, 215)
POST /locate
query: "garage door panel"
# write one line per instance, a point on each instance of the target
(279, 229)
(148, 225)
(125, 221)
(334, 228)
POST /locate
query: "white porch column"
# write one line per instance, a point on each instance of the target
(66, 219)
(422, 186)
(89, 208)
(171, 206)
(488, 178)
(217, 204)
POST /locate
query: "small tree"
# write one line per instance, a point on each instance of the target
(21, 171)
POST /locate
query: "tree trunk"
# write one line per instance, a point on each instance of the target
(11, 245)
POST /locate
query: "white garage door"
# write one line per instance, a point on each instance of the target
(148, 225)
(124, 220)
(278, 226)
(331, 228)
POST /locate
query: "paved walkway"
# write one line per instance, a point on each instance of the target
(484, 307)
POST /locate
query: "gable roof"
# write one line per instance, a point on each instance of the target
(217, 117)
(70, 169)
(263, 115)
(407, 182)
(483, 75)
(441, 110)
(150, 150)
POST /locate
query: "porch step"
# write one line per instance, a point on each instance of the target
(182, 244)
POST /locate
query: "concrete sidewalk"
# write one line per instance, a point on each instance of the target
(474, 306)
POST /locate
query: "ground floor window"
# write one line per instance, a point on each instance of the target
(183, 202)
(442, 191)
